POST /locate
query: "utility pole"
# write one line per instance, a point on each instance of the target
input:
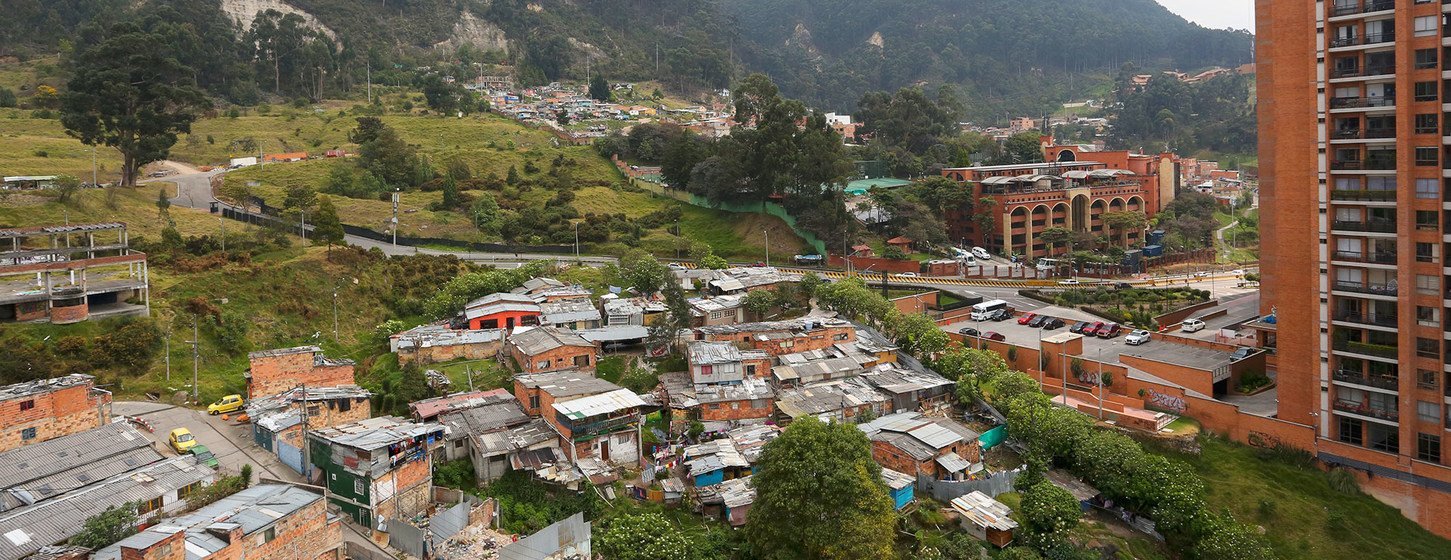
(768, 246)
(395, 217)
(469, 371)
(196, 359)
(335, 313)
(168, 352)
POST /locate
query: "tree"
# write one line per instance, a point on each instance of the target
(852, 299)
(1126, 221)
(1048, 509)
(7, 97)
(163, 206)
(107, 528)
(326, 226)
(451, 198)
(444, 97)
(920, 336)
(599, 90)
(66, 187)
(367, 130)
(485, 213)
(301, 197)
(1055, 237)
(759, 303)
(642, 271)
(819, 496)
(458, 169)
(644, 536)
(389, 158)
(714, 262)
(128, 91)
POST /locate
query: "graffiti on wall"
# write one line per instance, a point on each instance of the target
(1167, 402)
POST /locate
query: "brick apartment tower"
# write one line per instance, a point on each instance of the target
(1354, 178)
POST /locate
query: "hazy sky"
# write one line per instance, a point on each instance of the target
(1238, 14)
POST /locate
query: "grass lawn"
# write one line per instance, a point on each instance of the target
(41, 147)
(136, 207)
(1305, 517)
(488, 374)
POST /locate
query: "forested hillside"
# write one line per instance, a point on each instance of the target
(1018, 56)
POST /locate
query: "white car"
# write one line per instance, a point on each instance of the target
(981, 253)
(676, 266)
(1138, 337)
(1201, 274)
(1192, 325)
(908, 274)
(1069, 282)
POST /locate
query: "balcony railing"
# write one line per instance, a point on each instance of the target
(1366, 349)
(1360, 102)
(1369, 39)
(1376, 289)
(1355, 256)
(1358, 71)
(1388, 383)
(587, 430)
(1364, 409)
(1364, 195)
(1374, 226)
(1356, 133)
(1374, 164)
(1381, 320)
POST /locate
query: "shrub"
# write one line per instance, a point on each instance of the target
(1343, 481)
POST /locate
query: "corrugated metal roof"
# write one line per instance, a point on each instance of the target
(251, 510)
(896, 480)
(568, 312)
(375, 433)
(953, 462)
(984, 511)
(567, 383)
(539, 340)
(428, 408)
(615, 333)
(597, 405)
(707, 353)
(44, 385)
(62, 454)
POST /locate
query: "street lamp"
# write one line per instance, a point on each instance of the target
(768, 246)
(576, 243)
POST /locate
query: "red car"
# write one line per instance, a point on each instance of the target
(1092, 330)
(1026, 317)
(992, 335)
(1110, 330)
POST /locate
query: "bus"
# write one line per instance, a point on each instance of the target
(986, 309)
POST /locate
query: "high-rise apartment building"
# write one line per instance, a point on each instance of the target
(1355, 182)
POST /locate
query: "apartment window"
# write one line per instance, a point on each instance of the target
(1427, 155)
(1428, 188)
(1426, 124)
(1428, 316)
(357, 487)
(1425, 26)
(268, 535)
(1425, 58)
(1384, 438)
(1351, 431)
(27, 405)
(1380, 183)
(1348, 184)
(27, 434)
(1427, 285)
(1428, 447)
(1426, 379)
(1428, 348)
(1426, 252)
(1428, 220)
(1428, 411)
(1426, 91)
(148, 506)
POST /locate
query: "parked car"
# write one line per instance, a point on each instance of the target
(969, 331)
(229, 403)
(181, 440)
(1001, 315)
(204, 456)
(908, 274)
(1138, 337)
(1109, 330)
(1078, 327)
(1026, 318)
(1241, 353)
(992, 335)
(1039, 321)
(676, 266)
(1053, 323)
(981, 253)
(1124, 286)
(1092, 330)
(1069, 282)
(1192, 325)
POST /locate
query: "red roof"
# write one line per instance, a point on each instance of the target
(899, 240)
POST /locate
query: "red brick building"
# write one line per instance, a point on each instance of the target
(37, 411)
(273, 521)
(537, 392)
(782, 337)
(502, 311)
(910, 443)
(545, 349)
(603, 426)
(275, 371)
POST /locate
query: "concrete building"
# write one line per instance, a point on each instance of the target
(376, 469)
(537, 392)
(501, 311)
(545, 349)
(275, 371)
(279, 422)
(497, 436)
(274, 521)
(1353, 192)
(573, 314)
(429, 344)
(782, 337)
(38, 411)
(67, 274)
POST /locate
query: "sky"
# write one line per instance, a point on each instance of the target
(1219, 14)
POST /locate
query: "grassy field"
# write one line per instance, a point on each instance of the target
(136, 207)
(40, 147)
(1303, 516)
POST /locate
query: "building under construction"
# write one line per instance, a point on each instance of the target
(70, 273)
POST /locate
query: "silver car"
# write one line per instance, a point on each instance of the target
(1138, 337)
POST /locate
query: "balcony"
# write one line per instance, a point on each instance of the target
(1362, 102)
(1367, 410)
(1371, 39)
(1366, 349)
(1373, 226)
(1368, 7)
(1367, 134)
(1355, 377)
(1373, 258)
(1372, 289)
(1363, 319)
(1364, 196)
(1362, 71)
(1372, 164)
(587, 430)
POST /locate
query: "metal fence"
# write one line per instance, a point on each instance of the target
(359, 551)
(946, 490)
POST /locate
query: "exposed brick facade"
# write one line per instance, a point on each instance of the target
(306, 534)
(275, 371)
(558, 359)
(41, 410)
(788, 341)
(745, 409)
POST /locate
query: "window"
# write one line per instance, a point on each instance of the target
(1350, 431)
(1428, 447)
(1428, 411)
(751, 370)
(1426, 252)
(1427, 220)
(1427, 155)
(457, 444)
(1380, 183)
(1428, 316)
(707, 370)
(1426, 379)
(1425, 58)
(148, 506)
(1384, 438)
(533, 401)
(1426, 91)
(1426, 124)
(1428, 348)
(267, 535)
(27, 434)
(1425, 26)
(27, 405)
(542, 365)
(345, 405)
(184, 491)
(1427, 188)
(1427, 285)
(357, 486)
(841, 336)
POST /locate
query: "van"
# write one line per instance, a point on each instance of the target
(981, 253)
(1192, 325)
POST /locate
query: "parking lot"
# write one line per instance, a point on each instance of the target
(1095, 348)
(229, 441)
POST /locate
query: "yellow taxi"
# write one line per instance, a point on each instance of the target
(182, 440)
(229, 403)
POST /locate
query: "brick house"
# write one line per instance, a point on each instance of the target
(429, 344)
(719, 310)
(537, 392)
(36, 411)
(376, 469)
(501, 311)
(910, 443)
(278, 421)
(547, 349)
(603, 426)
(279, 370)
(782, 337)
(274, 521)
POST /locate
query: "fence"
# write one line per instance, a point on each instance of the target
(360, 551)
(946, 490)
(408, 538)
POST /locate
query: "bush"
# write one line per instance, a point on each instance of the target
(455, 474)
(1343, 481)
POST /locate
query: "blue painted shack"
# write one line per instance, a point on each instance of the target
(900, 486)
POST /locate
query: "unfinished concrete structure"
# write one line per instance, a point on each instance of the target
(70, 273)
